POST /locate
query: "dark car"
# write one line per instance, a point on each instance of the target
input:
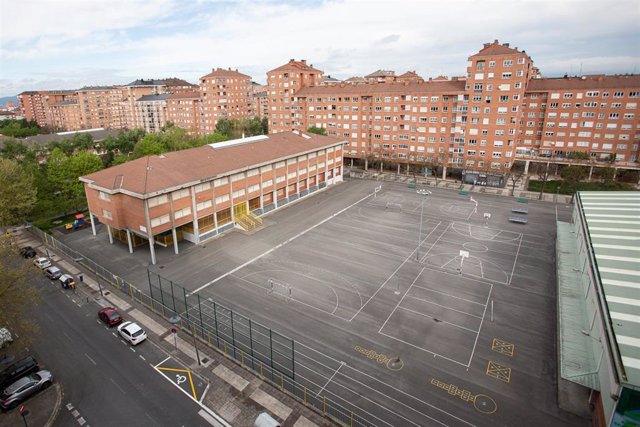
(109, 316)
(28, 252)
(23, 388)
(18, 370)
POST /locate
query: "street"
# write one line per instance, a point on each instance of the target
(105, 381)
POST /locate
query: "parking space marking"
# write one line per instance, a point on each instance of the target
(503, 347)
(498, 372)
(181, 378)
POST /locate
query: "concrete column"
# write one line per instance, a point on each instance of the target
(196, 229)
(398, 168)
(590, 172)
(175, 240)
(129, 241)
(152, 249)
(407, 169)
(275, 195)
(526, 167)
(110, 235)
(380, 164)
(93, 225)
(615, 173)
(444, 172)
(352, 162)
(366, 164)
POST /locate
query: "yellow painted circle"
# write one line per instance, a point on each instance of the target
(394, 368)
(485, 404)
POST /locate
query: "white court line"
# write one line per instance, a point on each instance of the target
(457, 362)
(434, 243)
(439, 320)
(393, 274)
(328, 381)
(444, 306)
(480, 328)
(401, 299)
(386, 396)
(302, 233)
(449, 295)
(515, 261)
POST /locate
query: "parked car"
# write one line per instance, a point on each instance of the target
(18, 370)
(28, 252)
(42, 263)
(132, 333)
(5, 337)
(109, 316)
(53, 272)
(67, 281)
(25, 387)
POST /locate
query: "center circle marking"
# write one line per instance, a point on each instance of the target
(475, 247)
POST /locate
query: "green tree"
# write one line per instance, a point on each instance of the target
(19, 128)
(120, 159)
(18, 194)
(316, 130)
(605, 174)
(17, 294)
(148, 146)
(212, 138)
(13, 149)
(572, 176)
(79, 165)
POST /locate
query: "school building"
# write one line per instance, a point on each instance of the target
(198, 193)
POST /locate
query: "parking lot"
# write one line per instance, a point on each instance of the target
(445, 321)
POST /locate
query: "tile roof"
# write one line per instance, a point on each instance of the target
(172, 81)
(381, 88)
(588, 82)
(96, 88)
(221, 72)
(296, 65)
(381, 73)
(156, 174)
(496, 49)
(155, 97)
(613, 225)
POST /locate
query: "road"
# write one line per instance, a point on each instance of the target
(105, 381)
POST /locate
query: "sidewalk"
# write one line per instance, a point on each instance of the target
(235, 396)
(43, 409)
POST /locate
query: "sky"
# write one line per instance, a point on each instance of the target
(68, 44)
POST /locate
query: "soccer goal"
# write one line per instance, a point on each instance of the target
(277, 288)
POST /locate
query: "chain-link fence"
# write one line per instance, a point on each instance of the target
(254, 346)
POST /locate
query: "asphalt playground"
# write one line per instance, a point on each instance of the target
(413, 309)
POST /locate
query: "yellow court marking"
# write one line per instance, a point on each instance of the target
(503, 347)
(392, 363)
(188, 372)
(498, 372)
(481, 402)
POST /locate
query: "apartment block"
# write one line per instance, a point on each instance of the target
(65, 115)
(151, 112)
(478, 124)
(157, 200)
(224, 94)
(183, 110)
(32, 106)
(260, 101)
(283, 83)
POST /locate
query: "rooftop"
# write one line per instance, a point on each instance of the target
(152, 175)
(455, 86)
(587, 82)
(496, 49)
(155, 97)
(296, 65)
(613, 223)
(221, 72)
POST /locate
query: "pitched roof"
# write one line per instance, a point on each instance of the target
(155, 97)
(496, 49)
(171, 170)
(447, 86)
(381, 73)
(296, 65)
(588, 82)
(172, 81)
(221, 72)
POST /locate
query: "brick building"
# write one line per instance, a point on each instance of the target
(158, 199)
(283, 83)
(224, 94)
(183, 110)
(478, 124)
(260, 100)
(151, 112)
(32, 106)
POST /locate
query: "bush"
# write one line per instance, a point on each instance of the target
(552, 186)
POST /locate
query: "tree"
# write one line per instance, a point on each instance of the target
(17, 193)
(630, 176)
(543, 175)
(147, 146)
(572, 175)
(317, 131)
(515, 174)
(13, 149)
(605, 174)
(79, 165)
(19, 128)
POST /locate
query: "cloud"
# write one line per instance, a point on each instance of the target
(158, 38)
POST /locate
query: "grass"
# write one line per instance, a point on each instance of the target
(561, 188)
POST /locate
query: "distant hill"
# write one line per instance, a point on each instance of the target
(4, 100)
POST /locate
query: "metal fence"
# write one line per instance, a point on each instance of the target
(254, 346)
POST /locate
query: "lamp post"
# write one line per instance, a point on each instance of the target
(174, 320)
(423, 192)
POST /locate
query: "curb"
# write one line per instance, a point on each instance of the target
(58, 405)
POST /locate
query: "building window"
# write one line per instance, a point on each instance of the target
(220, 181)
(202, 187)
(160, 220)
(222, 199)
(204, 205)
(104, 196)
(180, 194)
(182, 212)
(155, 201)
(107, 214)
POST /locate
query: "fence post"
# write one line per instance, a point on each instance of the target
(324, 405)
(186, 307)
(200, 313)
(173, 298)
(271, 350)
(233, 335)
(251, 343)
(215, 321)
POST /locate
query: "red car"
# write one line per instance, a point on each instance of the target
(109, 316)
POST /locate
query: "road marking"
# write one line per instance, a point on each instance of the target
(132, 349)
(81, 421)
(180, 380)
(117, 385)
(92, 361)
(503, 347)
(498, 372)
(334, 374)
(302, 233)
(208, 418)
(142, 357)
(162, 362)
(515, 261)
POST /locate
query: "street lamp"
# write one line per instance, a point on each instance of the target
(423, 192)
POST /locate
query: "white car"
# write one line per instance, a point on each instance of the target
(132, 333)
(42, 263)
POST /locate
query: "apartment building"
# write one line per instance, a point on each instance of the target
(477, 124)
(283, 83)
(64, 115)
(156, 199)
(260, 101)
(224, 94)
(32, 106)
(151, 112)
(183, 110)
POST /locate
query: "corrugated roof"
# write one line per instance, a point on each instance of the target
(613, 221)
(153, 174)
(589, 82)
(448, 86)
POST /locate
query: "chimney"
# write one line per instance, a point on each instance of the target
(292, 60)
(304, 61)
(486, 45)
(495, 41)
(505, 44)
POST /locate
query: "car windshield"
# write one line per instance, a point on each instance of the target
(138, 333)
(114, 316)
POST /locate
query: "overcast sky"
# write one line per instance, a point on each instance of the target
(67, 44)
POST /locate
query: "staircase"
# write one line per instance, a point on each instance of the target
(248, 221)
